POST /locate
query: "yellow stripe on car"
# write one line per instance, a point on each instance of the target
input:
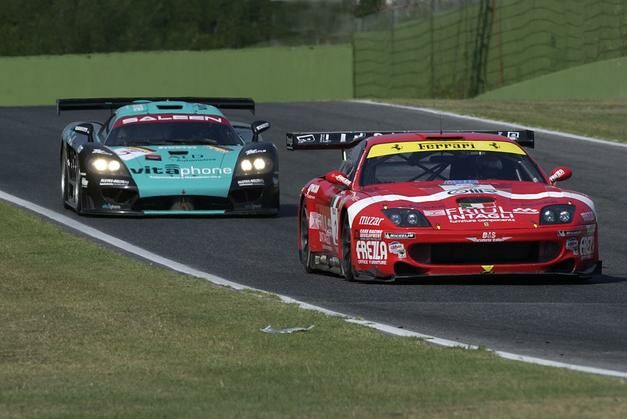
(388, 149)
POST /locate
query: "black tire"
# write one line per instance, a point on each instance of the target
(347, 263)
(74, 194)
(303, 252)
(64, 179)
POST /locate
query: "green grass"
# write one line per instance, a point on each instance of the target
(86, 332)
(594, 118)
(265, 74)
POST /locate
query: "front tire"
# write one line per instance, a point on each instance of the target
(347, 262)
(72, 195)
(303, 252)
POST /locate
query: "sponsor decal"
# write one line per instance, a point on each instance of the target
(370, 221)
(513, 135)
(113, 182)
(312, 190)
(469, 189)
(573, 246)
(155, 157)
(525, 211)
(460, 182)
(569, 233)
(488, 237)
(255, 151)
(586, 247)
(588, 216)
(111, 207)
(334, 212)
(220, 149)
(399, 236)
(371, 252)
(130, 153)
(84, 130)
(304, 139)
(187, 157)
(315, 220)
(250, 182)
(99, 151)
(434, 213)
(398, 249)
(487, 269)
(184, 172)
(263, 126)
(558, 174)
(387, 149)
(477, 205)
(473, 215)
(590, 229)
(343, 180)
(368, 234)
(169, 118)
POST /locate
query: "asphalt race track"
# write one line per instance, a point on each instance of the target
(569, 321)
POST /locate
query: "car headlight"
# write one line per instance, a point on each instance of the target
(254, 166)
(103, 165)
(557, 214)
(405, 217)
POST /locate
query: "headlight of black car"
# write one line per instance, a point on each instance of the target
(405, 217)
(557, 214)
(256, 165)
(107, 166)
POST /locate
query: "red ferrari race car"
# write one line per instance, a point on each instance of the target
(413, 204)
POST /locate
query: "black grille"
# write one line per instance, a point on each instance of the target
(119, 196)
(484, 253)
(165, 203)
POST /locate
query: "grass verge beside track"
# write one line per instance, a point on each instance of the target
(593, 118)
(87, 332)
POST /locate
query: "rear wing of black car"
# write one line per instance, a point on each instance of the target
(341, 140)
(115, 103)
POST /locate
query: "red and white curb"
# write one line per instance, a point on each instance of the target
(214, 279)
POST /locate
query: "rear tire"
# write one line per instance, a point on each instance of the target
(347, 262)
(303, 252)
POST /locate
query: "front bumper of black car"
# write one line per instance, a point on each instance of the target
(244, 198)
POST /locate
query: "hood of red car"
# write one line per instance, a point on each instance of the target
(463, 206)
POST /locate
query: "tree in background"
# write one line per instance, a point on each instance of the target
(367, 7)
(34, 27)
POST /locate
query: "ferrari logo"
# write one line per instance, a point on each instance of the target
(487, 269)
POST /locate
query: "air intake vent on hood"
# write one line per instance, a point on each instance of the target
(169, 107)
(475, 200)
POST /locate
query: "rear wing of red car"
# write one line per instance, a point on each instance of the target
(118, 102)
(341, 140)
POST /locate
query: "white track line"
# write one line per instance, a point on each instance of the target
(179, 267)
(494, 122)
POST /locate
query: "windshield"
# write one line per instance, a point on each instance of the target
(386, 166)
(180, 132)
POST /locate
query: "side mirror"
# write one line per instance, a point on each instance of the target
(560, 174)
(337, 178)
(85, 129)
(258, 127)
